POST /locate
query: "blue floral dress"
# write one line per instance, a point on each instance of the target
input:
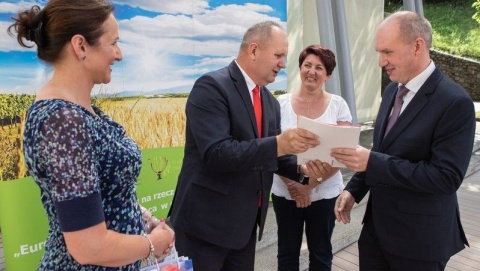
(86, 168)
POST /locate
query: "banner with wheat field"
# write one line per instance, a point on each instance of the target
(166, 46)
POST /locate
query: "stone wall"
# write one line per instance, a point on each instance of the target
(465, 72)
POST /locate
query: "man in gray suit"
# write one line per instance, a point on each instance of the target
(224, 184)
(414, 169)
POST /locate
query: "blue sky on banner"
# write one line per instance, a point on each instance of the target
(166, 44)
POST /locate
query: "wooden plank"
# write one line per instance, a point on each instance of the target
(339, 262)
(470, 254)
(467, 259)
(348, 257)
(352, 249)
(460, 265)
(337, 268)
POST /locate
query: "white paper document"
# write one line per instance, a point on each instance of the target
(331, 136)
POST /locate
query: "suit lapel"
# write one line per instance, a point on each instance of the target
(244, 92)
(419, 101)
(388, 98)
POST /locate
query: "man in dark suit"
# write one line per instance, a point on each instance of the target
(224, 184)
(413, 171)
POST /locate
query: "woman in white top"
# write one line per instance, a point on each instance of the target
(310, 205)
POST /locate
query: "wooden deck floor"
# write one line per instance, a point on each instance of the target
(467, 259)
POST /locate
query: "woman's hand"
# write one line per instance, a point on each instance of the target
(162, 238)
(303, 201)
(297, 189)
(150, 220)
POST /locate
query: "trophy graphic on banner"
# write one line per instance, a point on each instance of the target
(158, 166)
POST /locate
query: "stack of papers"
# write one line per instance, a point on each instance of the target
(331, 136)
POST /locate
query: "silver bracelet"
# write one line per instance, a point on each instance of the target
(152, 248)
(150, 260)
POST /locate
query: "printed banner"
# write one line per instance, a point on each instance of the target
(158, 179)
(24, 223)
(164, 52)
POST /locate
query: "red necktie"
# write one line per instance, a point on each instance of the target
(397, 106)
(257, 106)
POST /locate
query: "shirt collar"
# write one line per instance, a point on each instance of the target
(250, 84)
(417, 82)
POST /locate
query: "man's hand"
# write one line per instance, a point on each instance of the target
(355, 159)
(295, 140)
(343, 207)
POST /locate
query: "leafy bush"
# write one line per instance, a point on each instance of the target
(454, 30)
(476, 6)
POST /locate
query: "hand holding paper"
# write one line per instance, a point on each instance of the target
(355, 159)
(294, 140)
(331, 136)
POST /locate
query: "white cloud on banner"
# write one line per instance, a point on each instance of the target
(167, 6)
(186, 39)
(6, 7)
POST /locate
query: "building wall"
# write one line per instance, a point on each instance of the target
(363, 18)
(465, 72)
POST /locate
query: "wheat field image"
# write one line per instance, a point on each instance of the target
(152, 122)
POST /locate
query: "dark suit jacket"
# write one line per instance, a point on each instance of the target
(226, 166)
(414, 172)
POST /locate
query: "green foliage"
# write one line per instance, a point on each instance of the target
(392, 6)
(454, 30)
(476, 6)
(450, 2)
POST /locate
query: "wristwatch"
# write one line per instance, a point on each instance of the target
(303, 179)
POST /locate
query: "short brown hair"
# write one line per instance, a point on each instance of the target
(326, 56)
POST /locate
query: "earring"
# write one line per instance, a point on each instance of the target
(84, 57)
